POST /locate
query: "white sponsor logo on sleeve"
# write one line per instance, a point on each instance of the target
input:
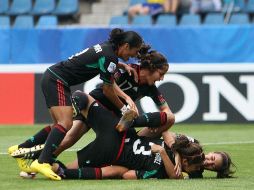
(111, 67)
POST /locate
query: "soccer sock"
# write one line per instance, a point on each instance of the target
(38, 138)
(151, 120)
(54, 139)
(83, 173)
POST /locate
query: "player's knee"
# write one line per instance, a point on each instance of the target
(66, 123)
(80, 99)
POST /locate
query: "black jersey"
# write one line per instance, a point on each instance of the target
(131, 88)
(83, 66)
(137, 155)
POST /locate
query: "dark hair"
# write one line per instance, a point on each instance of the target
(225, 171)
(119, 37)
(151, 60)
(191, 151)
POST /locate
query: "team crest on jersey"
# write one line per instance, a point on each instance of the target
(112, 67)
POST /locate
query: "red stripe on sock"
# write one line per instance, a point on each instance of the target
(47, 129)
(98, 173)
(60, 128)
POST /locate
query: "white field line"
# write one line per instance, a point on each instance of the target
(204, 144)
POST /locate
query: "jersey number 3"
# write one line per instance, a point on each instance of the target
(141, 149)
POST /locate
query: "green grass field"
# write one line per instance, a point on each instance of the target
(238, 140)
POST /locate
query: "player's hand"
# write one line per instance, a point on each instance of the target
(131, 104)
(155, 148)
(132, 72)
(178, 165)
(153, 130)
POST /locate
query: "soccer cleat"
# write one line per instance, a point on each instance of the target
(13, 149)
(28, 153)
(24, 165)
(126, 120)
(44, 169)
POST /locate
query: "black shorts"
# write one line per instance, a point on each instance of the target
(54, 90)
(107, 146)
(98, 95)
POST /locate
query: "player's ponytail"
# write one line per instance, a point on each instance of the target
(225, 171)
(152, 60)
(119, 37)
(192, 152)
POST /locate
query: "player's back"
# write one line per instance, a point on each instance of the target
(86, 64)
(137, 154)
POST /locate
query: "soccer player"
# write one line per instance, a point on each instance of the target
(100, 59)
(219, 162)
(149, 157)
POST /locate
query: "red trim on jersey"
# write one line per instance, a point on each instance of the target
(163, 117)
(121, 146)
(60, 128)
(60, 92)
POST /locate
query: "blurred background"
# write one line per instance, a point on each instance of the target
(208, 44)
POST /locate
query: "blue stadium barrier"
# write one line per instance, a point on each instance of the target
(206, 44)
(5, 46)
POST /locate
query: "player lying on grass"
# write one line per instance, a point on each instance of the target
(219, 162)
(126, 148)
